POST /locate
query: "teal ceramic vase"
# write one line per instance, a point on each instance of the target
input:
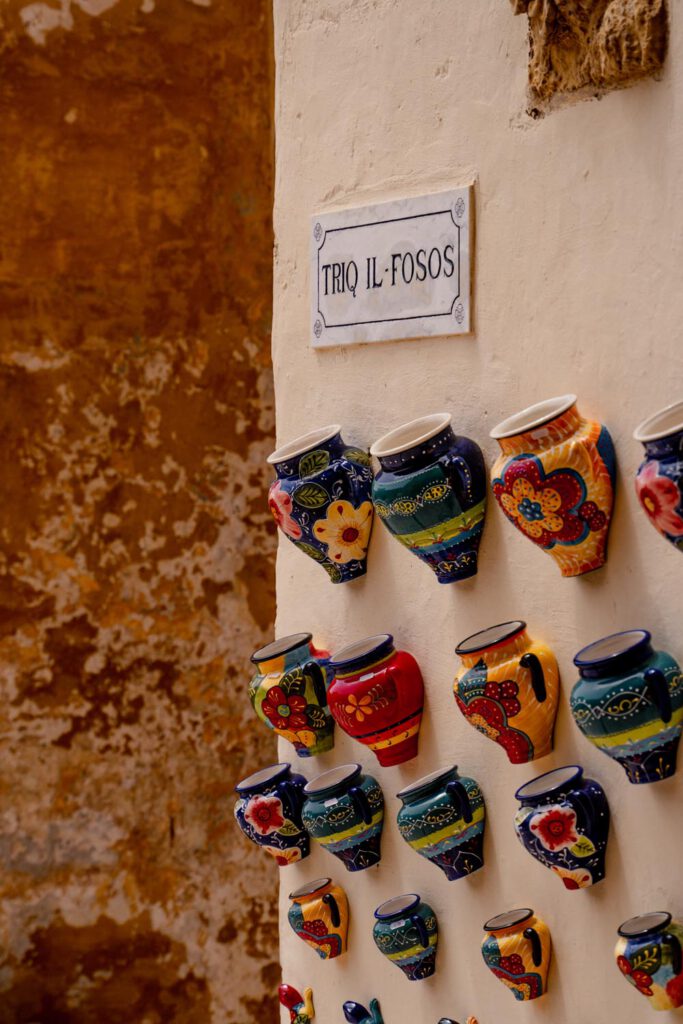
(406, 932)
(344, 812)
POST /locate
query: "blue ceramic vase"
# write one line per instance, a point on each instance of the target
(321, 501)
(268, 810)
(659, 480)
(344, 812)
(406, 932)
(629, 703)
(563, 821)
(430, 494)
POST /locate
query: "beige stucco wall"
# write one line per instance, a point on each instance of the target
(579, 227)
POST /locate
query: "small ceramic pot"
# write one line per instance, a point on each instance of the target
(517, 949)
(319, 914)
(430, 493)
(377, 697)
(563, 821)
(357, 1014)
(509, 689)
(268, 810)
(300, 1007)
(629, 703)
(344, 812)
(406, 932)
(648, 954)
(555, 481)
(321, 501)
(443, 818)
(289, 693)
(659, 480)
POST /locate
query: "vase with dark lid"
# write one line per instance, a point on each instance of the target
(517, 950)
(407, 933)
(659, 480)
(648, 954)
(268, 810)
(344, 812)
(319, 914)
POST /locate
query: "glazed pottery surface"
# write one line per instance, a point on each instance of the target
(517, 949)
(443, 818)
(509, 689)
(554, 480)
(357, 1014)
(321, 501)
(659, 480)
(377, 697)
(430, 493)
(407, 933)
(344, 812)
(563, 821)
(268, 810)
(648, 954)
(629, 703)
(289, 693)
(319, 914)
(300, 1007)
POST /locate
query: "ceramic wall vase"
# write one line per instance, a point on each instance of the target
(554, 480)
(407, 933)
(357, 1014)
(563, 821)
(430, 493)
(648, 954)
(300, 1007)
(659, 480)
(289, 693)
(319, 914)
(509, 689)
(443, 818)
(344, 812)
(268, 810)
(321, 501)
(629, 703)
(377, 697)
(517, 949)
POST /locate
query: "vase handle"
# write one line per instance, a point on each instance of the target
(421, 929)
(676, 957)
(360, 802)
(292, 798)
(533, 664)
(460, 800)
(460, 478)
(313, 669)
(579, 801)
(536, 948)
(330, 901)
(659, 688)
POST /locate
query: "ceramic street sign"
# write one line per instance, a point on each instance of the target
(394, 270)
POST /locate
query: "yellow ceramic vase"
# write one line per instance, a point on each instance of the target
(517, 949)
(509, 689)
(319, 915)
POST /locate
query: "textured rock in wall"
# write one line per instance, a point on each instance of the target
(136, 552)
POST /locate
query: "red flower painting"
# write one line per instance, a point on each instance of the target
(660, 498)
(640, 979)
(264, 814)
(555, 827)
(285, 711)
(489, 713)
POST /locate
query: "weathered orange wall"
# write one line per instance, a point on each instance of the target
(135, 548)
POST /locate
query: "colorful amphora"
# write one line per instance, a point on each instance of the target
(443, 818)
(563, 822)
(377, 697)
(648, 954)
(407, 933)
(509, 689)
(344, 812)
(321, 501)
(659, 480)
(268, 810)
(319, 914)
(555, 481)
(355, 1013)
(430, 493)
(300, 1006)
(517, 949)
(629, 703)
(289, 693)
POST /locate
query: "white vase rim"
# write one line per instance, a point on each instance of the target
(410, 434)
(304, 443)
(667, 421)
(532, 417)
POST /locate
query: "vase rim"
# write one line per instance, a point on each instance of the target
(397, 905)
(332, 778)
(359, 649)
(263, 776)
(304, 443)
(507, 919)
(643, 924)
(410, 434)
(533, 416)
(276, 648)
(309, 888)
(664, 423)
(426, 780)
(612, 647)
(490, 637)
(544, 784)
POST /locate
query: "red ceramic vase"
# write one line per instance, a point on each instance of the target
(377, 697)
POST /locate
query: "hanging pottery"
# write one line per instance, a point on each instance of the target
(443, 818)
(648, 954)
(344, 812)
(406, 932)
(321, 501)
(319, 914)
(289, 693)
(659, 480)
(555, 481)
(509, 689)
(517, 949)
(300, 1007)
(629, 703)
(563, 821)
(377, 697)
(268, 811)
(357, 1014)
(430, 493)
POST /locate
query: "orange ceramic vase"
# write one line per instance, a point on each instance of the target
(319, 915)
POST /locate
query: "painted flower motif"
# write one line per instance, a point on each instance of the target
(641, 979)
(555, 827)
(512, 964)
(579, 879)
(280, 505)
(264, 814)
(345, 531)
(490, 714)
(358, 709)
(284, 857)
(285, 711)
(660, 498)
